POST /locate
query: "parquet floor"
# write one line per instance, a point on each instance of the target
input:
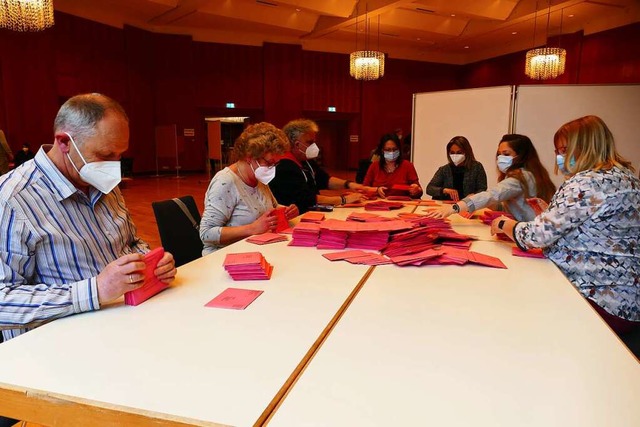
(140, 191)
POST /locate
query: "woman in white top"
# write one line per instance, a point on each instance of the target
(522, 177)
(238, 202)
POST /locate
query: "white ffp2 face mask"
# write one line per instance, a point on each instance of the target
(264, 174)
(457, 158)
(312, 151)
(504, 163)
(103, 176)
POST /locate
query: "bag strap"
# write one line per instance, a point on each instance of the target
(186, 211)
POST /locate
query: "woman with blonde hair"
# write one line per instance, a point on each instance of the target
(591, 228)
(238, 202)
(521, 177)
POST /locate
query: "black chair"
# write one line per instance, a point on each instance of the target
(363, 167)
(179, 233)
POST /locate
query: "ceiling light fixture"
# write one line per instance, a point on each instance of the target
(366, 64)
(26, 15)
(546, 62)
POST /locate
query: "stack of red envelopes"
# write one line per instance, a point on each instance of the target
(366, 217)
(152, 285)
(368, 240)
(265, 238)
(247, 266)
(305, 234)
(382, 205)
(312, 217)
(332, 239)
(357, 257)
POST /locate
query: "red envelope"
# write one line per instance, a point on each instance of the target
(152, 285)
(283, 224)
(234, 298)
(530, 253)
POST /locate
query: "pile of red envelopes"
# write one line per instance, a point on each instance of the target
(358, 257)
(382, 205)
(265, 238)
(247, 266)
(305, 234)
(152, 285)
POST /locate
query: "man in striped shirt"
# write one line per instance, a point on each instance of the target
(67, 242)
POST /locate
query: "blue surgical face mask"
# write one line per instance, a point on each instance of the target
(391, 155)
(561, 166)
(504, 163)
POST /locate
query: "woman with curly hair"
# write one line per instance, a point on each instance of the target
(238, 202)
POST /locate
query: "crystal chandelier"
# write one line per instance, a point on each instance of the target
(26, 15)
(545, 62)
(366, 64)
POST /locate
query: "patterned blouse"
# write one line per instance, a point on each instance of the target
(591, 231)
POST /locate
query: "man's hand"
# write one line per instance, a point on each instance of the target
(122, 275)
(166, 268)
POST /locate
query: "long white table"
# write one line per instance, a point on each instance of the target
(327, 344)
(468, 346)
(171, 358)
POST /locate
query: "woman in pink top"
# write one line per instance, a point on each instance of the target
(392, 170)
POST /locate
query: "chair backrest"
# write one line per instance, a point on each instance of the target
(177, 232)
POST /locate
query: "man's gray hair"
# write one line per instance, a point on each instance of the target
(81, 113)
(295, 128)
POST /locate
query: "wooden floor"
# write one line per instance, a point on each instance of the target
(140, 191)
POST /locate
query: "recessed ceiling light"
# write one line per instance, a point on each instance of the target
(298, 9)
(514, 32)
(418, 39)
(466, 47)
(453, 14)
(571, 16)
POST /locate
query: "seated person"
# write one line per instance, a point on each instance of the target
(68, 243)
(299, 178)
(392, 169)
(23, 155)
(238, 202)
(461, 177)
(590, 229)
(521, 177)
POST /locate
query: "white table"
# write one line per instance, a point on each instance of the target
(173, 359)
(468, 346)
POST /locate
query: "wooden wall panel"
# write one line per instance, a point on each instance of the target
(283, 87)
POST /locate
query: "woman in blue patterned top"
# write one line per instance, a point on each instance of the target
(591, 228)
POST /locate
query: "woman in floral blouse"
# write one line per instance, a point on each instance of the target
(591, 228)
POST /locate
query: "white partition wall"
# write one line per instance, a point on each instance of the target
(484, 115)
(481, 115)
(541, 110)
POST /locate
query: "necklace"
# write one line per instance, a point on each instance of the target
(390, 167)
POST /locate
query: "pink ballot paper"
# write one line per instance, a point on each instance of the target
(234, 298)
(152, 285)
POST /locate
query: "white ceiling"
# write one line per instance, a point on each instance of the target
(446, 31)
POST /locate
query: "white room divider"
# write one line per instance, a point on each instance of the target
(484, 115)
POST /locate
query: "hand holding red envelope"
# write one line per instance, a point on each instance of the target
(152, 285)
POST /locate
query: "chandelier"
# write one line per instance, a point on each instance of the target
(366, 64)
(545, 62)
(26, 15)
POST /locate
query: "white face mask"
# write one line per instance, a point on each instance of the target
(312, 151)
(391, 155)
(103, 176)
(457, 158)
(504, 163)
(264, 174)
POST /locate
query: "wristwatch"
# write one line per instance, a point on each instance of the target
(455, 208)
